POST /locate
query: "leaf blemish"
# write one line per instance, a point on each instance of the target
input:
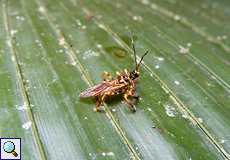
(26, 125)
(90, 53)
(159, 58)
(176, 82)
(22, 107)
(41, 9)
(74, 63)
(170, 111)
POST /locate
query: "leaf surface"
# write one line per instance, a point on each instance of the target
(53, 50)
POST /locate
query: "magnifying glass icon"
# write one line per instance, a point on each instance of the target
(9, 147)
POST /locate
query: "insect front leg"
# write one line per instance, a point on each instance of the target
(106, 73)
(127, 72)
(119, 73)
(101, 99)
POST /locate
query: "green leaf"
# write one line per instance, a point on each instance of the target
(52, 50)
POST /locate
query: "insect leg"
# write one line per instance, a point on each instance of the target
(128, 101)
(119, 73)
(106, 73)
(127, 72)
(130, 92)
(115, 93)
(134, 95)
(101, 99)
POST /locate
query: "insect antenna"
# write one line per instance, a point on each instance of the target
(141, 60)
(137, 66)
(133, 49)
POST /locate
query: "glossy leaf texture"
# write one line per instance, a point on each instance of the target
(52, 50)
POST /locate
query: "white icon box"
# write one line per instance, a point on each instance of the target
(10, 148)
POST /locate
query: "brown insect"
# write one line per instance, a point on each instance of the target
(115, 86)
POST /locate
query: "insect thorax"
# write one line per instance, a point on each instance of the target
(123, 79)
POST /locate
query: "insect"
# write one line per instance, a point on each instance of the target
(115, 86)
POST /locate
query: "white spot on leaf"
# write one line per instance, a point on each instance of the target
(12, 32)
(176, 82)
(149, 109)
(170, 111)
(89, 54)
(22, 107)
(99, 45)
(146, 2)
(177, 17)
(26, 125)
(223, 141)
(12, 58)
(74, 63)
(110, 154)
(83, 27)
(41, 9)
(200, 120)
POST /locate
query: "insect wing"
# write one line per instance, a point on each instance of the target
(93, 91)
(100, 88)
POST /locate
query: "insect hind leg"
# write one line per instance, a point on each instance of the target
(106, 73)
(101, 98)
(100, 101)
